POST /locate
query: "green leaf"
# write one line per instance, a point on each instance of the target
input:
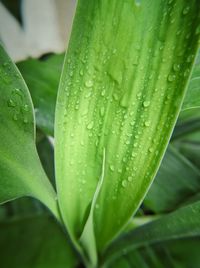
(192, 98)
(33, 242)
(21, 173)
(176, 181)
(188, 122)
(180, 224)
(181, 253)
(122, 87)
(42, 78)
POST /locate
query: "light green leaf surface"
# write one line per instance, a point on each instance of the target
(184, 222)
(176, 182)
(42, 78)
(21, 173)
(192, 98)
(35, 242)
(122, 87)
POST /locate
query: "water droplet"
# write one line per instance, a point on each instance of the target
(81, 72)
(90, 125)
(150, 149)
(11, 103)
(176, 67)
(120, 170)
(112, 168)
(89, 83)
(186, 10)
(146, 103)
(127, 142)
(130, 178)
(171, 77)
(26, 108)
(103, 92)
(124, 183)
(186, 73)
(15, 117)
(147, 123)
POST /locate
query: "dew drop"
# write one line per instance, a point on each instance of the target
(150, 149)
(90, 125)
(171, 77)
(146, 103)
(124, 183)
(176, 67)
(186, 10)
(130, 178)
(147, 123)
(112, 168)
(81, 72)
(103, 92)
(11, 103)
(89, 83)
(15, 117)
(135, 145)
(26, 108)
(190, 58)
(186, 73)
(25, 120)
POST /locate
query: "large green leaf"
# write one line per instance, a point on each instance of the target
(21, 173)
(35, 242)
(176, 182)
(122, 87)
(182, 223)
(42, 78)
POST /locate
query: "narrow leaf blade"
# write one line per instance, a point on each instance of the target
(122, 87)
(180, 224)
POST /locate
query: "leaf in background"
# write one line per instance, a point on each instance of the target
(42, 78)
(21, 173)
(181, 253)
(188, 122)
(38, 241)
(176, 181)
(182, 223)
(192, 98)
(121, 89)
(46, 153)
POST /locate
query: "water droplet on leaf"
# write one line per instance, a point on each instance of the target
(146, 103)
